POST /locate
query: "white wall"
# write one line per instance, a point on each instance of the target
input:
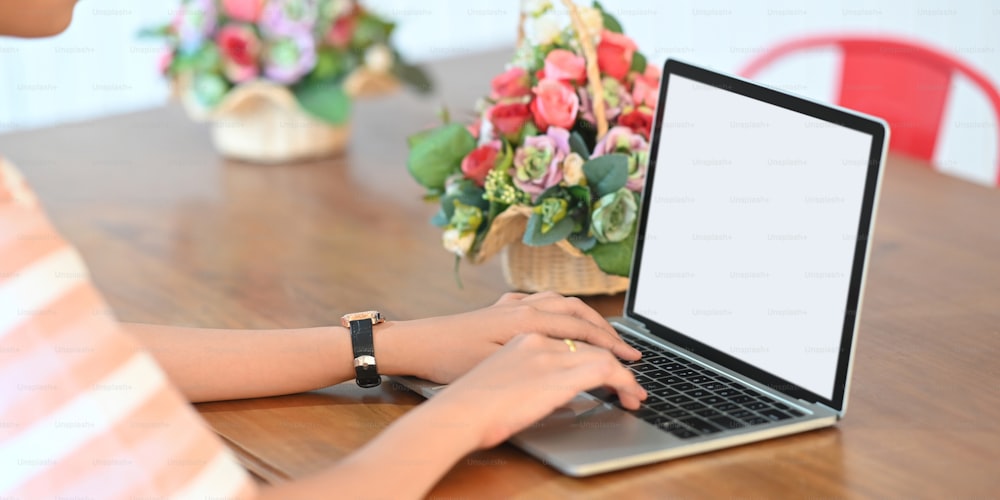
(99, 67)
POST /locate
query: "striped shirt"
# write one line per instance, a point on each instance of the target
(85, 412)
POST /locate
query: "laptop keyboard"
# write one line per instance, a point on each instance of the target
(689, 400)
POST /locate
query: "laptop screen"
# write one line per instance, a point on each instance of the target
(751, 224)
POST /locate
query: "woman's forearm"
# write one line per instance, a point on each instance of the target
(215, 364)
(404, 461)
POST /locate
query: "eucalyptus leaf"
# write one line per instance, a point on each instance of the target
(533, 235)
(413, 76)
(615, 258)
(439, 154)
(581, 241)
(610, 23)
(325, 100)
(606, 174)
(578, 145)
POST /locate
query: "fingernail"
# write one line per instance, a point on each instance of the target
(635, 350)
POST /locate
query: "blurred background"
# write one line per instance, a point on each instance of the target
(100, 67)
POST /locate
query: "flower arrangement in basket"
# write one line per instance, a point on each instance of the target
(551, 170)
(276, 77)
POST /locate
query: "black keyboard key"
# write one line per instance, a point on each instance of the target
(727, 406)
(714, 386)
(679, 399)
(741, 399)
(775, 414)
(645, 413)
(726, 422)
(686, 386)
(692, 406)
(672, 380)
(751, 392)
(742, 414)
(728, 393)
(685, 373)
(757, 405)
(767, 399)
(674, 366)
(756, 420)
(712, 400)
(698, 393)
(656, 374)
(661, 361)
(649, 385)
(683, 432)
(676, 413)
(781, 406)
(795, 413)
(700, 425)
(700, 379)
(707, 413)
(660, 405)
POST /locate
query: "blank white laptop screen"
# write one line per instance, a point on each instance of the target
(751, 230)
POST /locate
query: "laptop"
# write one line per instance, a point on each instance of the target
(746, 281)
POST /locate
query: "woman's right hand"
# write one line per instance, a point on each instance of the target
(526, 380)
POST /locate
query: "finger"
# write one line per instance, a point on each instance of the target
(596, 369)
(559, 325)
(576, 307)
(511, 297)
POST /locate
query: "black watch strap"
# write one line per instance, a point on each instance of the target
(365, 370)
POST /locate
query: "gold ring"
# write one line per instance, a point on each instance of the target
(571, 344)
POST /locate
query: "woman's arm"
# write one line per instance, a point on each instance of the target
(527, 379)
(215, 364)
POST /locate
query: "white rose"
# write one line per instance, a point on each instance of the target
(536, 8)
(378, 58)
(456, 242)
(573, 170)
(546, 29)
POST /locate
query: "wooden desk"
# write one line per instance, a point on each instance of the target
(174, 234)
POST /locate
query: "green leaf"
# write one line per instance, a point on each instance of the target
(615, 258)
(587, 131)
(413, 139)
(533, 235)
(606, 174)
(324, 100)
(610, 23)
(440, 219)
(412, 75)
(467, 193)
(434, 157)
(578, 146)
(582, 241)
(638, 63)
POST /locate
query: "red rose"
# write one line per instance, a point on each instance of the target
(564, 65)
(614, 54)
(480, 161)
(511, 83)
(342, 31)
(640, 120)
(555, 104)
(508, 118)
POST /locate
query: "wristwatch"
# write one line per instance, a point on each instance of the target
(360, 324)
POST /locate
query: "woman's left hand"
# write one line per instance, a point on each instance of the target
(442, 349)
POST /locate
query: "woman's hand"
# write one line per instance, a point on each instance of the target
(526, 380)
(442, 349)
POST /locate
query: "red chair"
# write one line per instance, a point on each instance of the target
(902, 82)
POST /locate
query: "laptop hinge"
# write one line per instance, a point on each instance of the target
(631, 324)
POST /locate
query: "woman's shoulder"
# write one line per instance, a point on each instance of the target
(13, 187)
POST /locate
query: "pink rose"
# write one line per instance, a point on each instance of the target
(164, 62)
(614, 54)
(555, 104)
(242, 10)
(566, 66)
(239, 47)
(508, 118)
(538, 162)
(511, 83)
(644, 89)
(480, 161)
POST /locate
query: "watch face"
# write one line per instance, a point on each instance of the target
(375, 317)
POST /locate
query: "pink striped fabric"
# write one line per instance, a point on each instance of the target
(84, 411)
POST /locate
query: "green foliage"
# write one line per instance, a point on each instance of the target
(638, 63)
(578, 145)
(439, 154)
(606, 174)
(324, 100)
(615, 258)
(413, 76)
(533, 235)
(610, 22)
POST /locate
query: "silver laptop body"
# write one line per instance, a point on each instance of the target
(752, 247)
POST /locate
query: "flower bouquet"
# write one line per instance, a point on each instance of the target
(551, 170)
(276, 77)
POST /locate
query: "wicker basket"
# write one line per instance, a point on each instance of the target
(262, 122)
(560, 267)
